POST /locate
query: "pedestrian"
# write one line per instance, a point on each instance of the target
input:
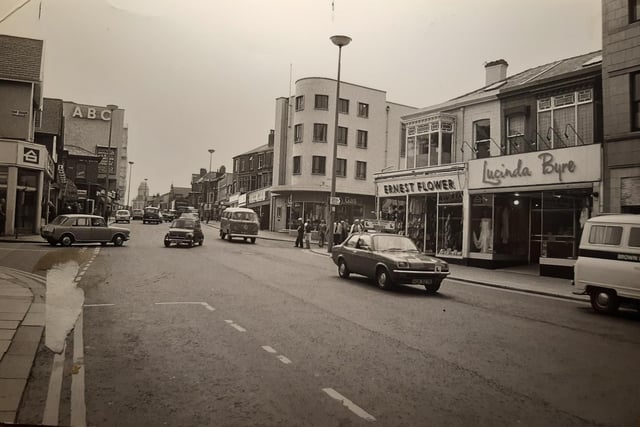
(307, 234)
(345, 230)
(322, 231)
(337, 232)
(356, 227)
(300, 236)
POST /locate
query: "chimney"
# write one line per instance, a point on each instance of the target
(271, 137)
(496, 71)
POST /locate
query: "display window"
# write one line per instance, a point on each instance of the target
(450, 224)
(481, 229)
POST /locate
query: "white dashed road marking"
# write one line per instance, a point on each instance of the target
(268, 349)
(283, 359)
(99, 305)
(238, 327)
(349, 404)
(204, 304)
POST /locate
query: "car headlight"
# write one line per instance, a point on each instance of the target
(402, 264)
(189, 234)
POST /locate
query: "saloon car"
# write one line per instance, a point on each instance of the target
(123, 215)
(389, 259)
(137, 214)
(151, 215)
(184, 231)
(79, 228)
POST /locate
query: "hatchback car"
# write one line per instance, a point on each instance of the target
(151, 215)
(123, 215)
(239, 222)
(79, 228)
(389, 259)
(137, 214)
(184, 231)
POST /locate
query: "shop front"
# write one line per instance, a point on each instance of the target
(260, 202)
(428, 207)
(529, 209)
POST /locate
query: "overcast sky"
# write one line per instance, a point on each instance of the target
(199, 74)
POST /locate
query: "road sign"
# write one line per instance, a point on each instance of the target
(334, 201)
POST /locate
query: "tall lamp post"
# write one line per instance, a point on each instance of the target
(339, 41)
(208, 214)
(146, 192)
(130, 177)
(111, 109)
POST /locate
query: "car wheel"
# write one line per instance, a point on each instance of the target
(343, 270)
(52, 242)
(118, 240)
(201, 242)
(382, 278)
(66, 240)
(167, 243)
(433, 288)
(604, 301)
(253, 240)
(229, 237)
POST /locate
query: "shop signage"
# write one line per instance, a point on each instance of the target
(346, 200)
(257, 196)
(418, 186)
(91, 113)
(566, 165)
(242, 200)
(108, 160)
(30, 155)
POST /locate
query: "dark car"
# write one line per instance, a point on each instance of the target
(80, 228)
(151, 215)
(389, 259)
(184, 231)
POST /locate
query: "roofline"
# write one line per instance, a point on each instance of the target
(592, 71)
(447, 106)
(341, 82)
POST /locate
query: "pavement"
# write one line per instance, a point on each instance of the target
(22, 308)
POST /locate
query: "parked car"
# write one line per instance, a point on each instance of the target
(239, 222)
(169, 215)
(79, 228)
(123, 215)
(137, 214)
(608, 263)
(151, 215)
(184, 231)
(389, 259)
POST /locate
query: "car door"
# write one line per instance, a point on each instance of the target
(81, 229)
(365, 255)
(349, 253)
(99, 230)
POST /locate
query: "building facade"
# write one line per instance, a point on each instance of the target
(368, 141)
(621, 100)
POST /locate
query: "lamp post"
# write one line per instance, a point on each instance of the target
(130, 177)
(339, 41)
(146, 192)
(208, 182)
(111, 109)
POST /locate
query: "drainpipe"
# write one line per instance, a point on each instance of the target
(386, 137)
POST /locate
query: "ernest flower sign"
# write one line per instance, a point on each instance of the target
(565, 165)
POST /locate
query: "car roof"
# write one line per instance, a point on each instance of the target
(617, 219)
(81, 216)
(239, 210)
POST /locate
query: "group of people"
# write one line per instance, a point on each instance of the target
(341, 229)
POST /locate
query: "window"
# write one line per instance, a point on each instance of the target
(341, 168)
(299, 103)
(565, 120)
(297, 133)
(363, 110)
(319, 132)
(251, 163)
(403, 138)
(634, 237)
(269, 160)
(319, 165)
(343, 134)
(242, 165)
(634, 10)
(343, 106)
(297, 169)
(635, 99)
(362, 138)
(429, 142)
(516, 142)
(322, 102)
(481, 138)
(605, 235)
(260, 161)
(235, 165)
(361, 170)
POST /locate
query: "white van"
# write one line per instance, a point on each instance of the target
(608, 264)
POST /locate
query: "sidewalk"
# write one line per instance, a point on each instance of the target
(504, 278)
(22, 316)
(22, 238)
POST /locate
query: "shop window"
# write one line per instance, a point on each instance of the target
(482, 138)
(450, 224)
(319, 132)
(363, 110)
(605, 235)
(299, 103)
(363, 137)
(297, 132)
(481, 230)
(297, 169)
(318, 165)
(421, 222)
(322, 102)
(635, 100)
(361, 170)
(341, 168)
(343, 134)
(343, 106)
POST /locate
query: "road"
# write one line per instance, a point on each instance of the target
(238, 334)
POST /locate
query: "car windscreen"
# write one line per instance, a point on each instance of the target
(392, 242)
(183, 223)
(122, 213)
(59, 220)
(244, 216)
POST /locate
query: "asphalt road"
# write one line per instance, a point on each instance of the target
(267, 334)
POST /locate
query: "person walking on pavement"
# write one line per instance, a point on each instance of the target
(322, 231)
(307, 234)
(337, 232)
(345, 230)
(356, 227)
(299, 238)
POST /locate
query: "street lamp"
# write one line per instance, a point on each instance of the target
(111, 108)
(211, 151)
(208, 185)
(146, 192)
(339, 41)
(130, 177)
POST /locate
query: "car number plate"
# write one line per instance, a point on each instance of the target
(421, 281)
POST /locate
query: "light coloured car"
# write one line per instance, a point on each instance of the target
(239, 222)
(123, 215)
(137, 214)
(80, 228)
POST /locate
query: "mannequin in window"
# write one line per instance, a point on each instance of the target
(484, 242)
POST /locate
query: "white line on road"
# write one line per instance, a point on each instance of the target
(229, 321)
(98, 305)
(207, 306)
(78, 405)
(204, 304)
(52, 405)
(268, 349)
(238, 327)
(284, 359)
(349, 404)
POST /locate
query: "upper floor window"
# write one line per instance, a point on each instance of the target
(403, 137)
(236, 164)
(260, 161)
(565, 120)
(297, 132)
(482, 138)
(250, 163)
(343, 134)
(343, 106)
(634, 10)
(322, 102)
(341, 168)
(268, 160)
(242, 165)
(429, 143)
(363, 110)
(319, 132)
(318, 166)
(297, 166)
(363, 137)
(299, 103)
(516, 142)
(361, 170)
(635, 101)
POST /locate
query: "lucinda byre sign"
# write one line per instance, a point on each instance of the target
(564, 165)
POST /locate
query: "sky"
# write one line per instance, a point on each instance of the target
(194, 75)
